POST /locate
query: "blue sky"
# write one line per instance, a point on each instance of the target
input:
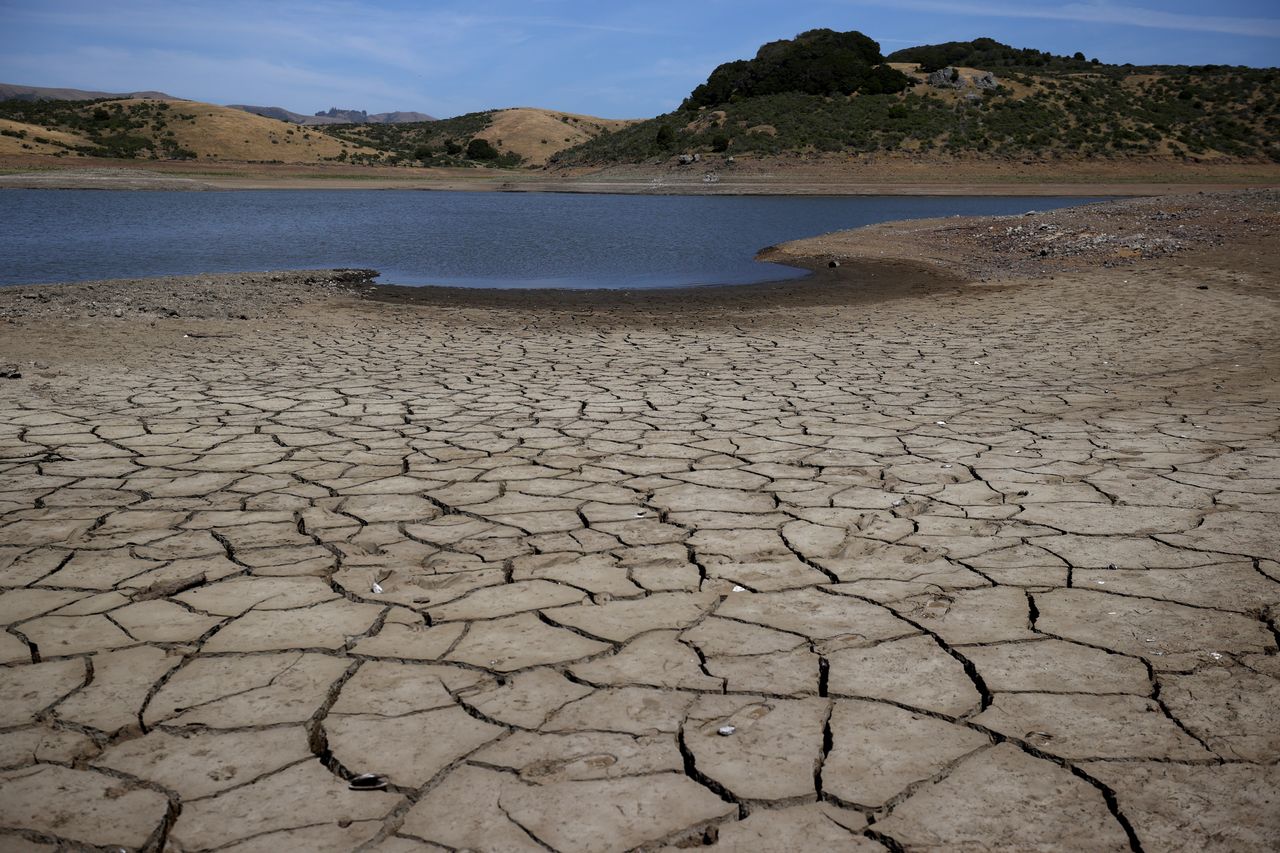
(619, 60)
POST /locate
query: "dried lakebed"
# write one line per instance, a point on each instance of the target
(976, 567)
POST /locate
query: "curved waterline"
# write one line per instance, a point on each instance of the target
(483, 240)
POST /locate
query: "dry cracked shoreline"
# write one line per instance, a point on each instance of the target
(952, 564)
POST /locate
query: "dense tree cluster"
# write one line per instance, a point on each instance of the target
(986, 53)
(818, 62)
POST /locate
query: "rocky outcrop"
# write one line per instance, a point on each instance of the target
(946, 78)
(951, 78)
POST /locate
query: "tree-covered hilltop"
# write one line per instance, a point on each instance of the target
(989, 55)
(1036, 104)
(817, 62)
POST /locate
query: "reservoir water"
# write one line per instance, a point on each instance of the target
(452, 238)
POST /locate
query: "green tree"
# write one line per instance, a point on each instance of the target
(817, 62)
(481, 149)
(665, 138)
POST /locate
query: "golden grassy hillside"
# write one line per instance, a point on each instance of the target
(18, 137)
(536, 134)
(226, 134)
(163, 128)
(522, 136)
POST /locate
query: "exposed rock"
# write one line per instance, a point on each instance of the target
(946, 78)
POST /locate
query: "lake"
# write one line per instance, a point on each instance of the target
(463, 239)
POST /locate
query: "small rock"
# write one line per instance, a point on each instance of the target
(368, 782)
(986, 81)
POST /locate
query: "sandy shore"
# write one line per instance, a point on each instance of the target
(777, 176)
(888, 558)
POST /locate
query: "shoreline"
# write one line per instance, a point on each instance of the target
(792, 178)
(866, 262)
(265, 294)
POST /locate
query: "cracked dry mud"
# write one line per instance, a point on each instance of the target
(969, 569)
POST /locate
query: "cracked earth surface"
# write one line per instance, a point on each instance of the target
(970, 569)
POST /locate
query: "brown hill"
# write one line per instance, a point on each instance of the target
(521, 135)
(18, 137)
(152, 127)
(15, 91)
(226, 134)
(536, 134)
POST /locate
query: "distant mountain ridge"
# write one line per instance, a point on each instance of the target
(16, 92)
(281, 114)
(334, 116)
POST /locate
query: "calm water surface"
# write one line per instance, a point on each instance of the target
(453, 238)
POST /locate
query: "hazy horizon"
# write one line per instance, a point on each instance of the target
(629, 62)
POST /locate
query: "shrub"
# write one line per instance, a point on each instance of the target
(481, 149)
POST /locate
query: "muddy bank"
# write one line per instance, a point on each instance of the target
(1090, 237)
